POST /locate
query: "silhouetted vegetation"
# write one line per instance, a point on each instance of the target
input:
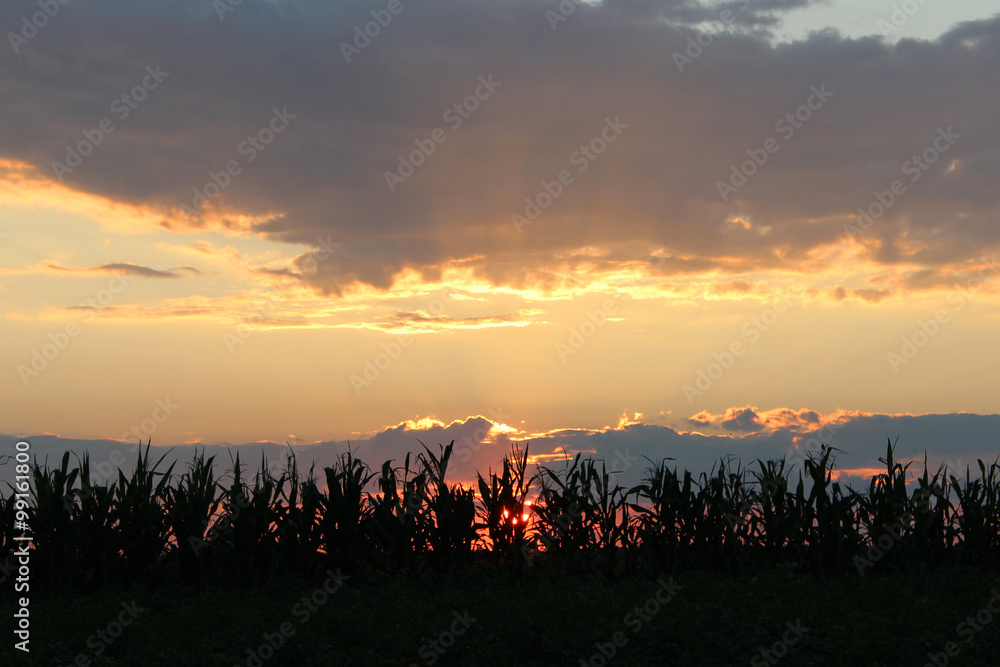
(154, 526)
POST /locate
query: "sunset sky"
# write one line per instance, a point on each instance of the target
(668, 227)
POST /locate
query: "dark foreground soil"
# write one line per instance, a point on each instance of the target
(697, 619)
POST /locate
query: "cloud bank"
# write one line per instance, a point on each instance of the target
(751, 157)
(957, 439)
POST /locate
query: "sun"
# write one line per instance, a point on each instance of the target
(517, 515)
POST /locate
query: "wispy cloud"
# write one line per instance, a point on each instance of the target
(420, 322)
(127, 269)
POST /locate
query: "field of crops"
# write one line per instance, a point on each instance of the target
(157, 527)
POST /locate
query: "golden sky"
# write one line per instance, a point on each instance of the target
(702, 219)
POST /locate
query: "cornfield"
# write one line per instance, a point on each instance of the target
(156, 526)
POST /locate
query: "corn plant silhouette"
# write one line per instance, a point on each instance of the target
(502, 510)
(190, 505)
(452, 509)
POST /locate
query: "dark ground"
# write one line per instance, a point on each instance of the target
(712, 619)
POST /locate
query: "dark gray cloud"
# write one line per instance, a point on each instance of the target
(344, 125)
(745, 421)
